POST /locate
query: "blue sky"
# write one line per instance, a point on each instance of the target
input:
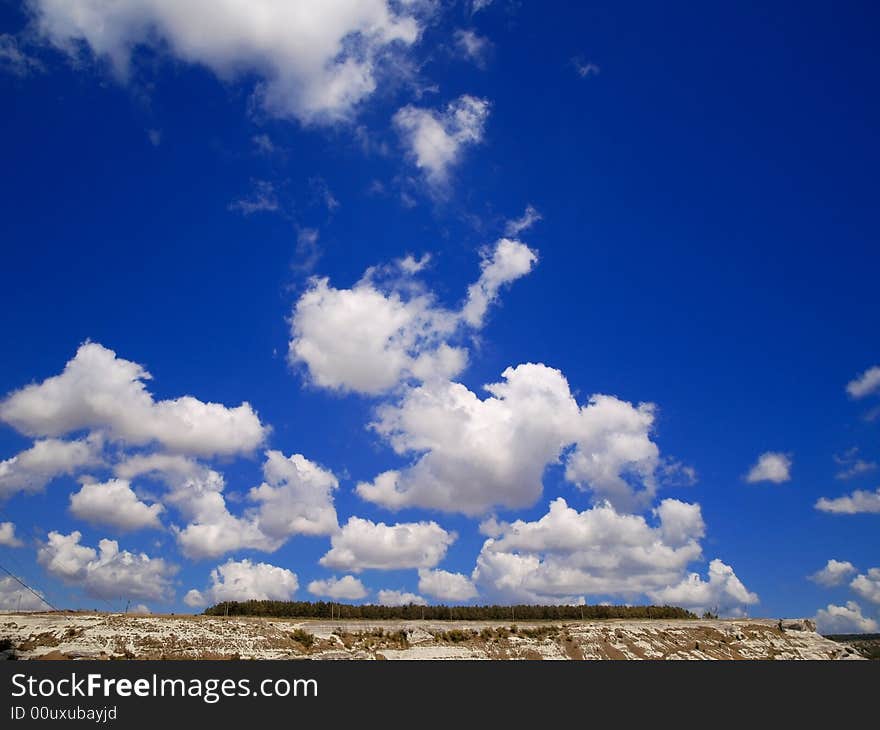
(204, 201)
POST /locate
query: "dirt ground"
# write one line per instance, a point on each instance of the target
(64, 635)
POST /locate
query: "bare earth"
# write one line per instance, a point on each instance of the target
(117, 636)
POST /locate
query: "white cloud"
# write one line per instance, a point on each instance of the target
(346, 588)
(509, 261)
(100, 391)
(316, 59)
(476, 454)
(851, 465)
(114, 503)
(362, 544)
(446, 586)
(140, 609)
(834, 573)
(772, 466)
(263, 198)
(15, 597)
(15, 59)
(107, 573)
(865, 384)
(244, 581)
(472, 46)
(844, 620)
(566, 553)
(585, 68)
(436, 140)
(867, 585)
(723, 593)
(478, 5)
(860, 501)
(374, 335)
(516, 226)
(296, 497)
(400, 598)
(7, 535)
(31, 470)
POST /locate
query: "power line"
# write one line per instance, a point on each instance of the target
(27, 587)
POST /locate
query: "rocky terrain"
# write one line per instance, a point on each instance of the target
(116, 636)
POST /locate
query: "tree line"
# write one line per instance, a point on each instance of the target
(330, 610)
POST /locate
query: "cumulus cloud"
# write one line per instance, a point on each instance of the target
(106, 573)
(99, 391)
(436, 140)
(114, 503)
(846, 619)
(446, 586)
(7, 535)
(400, 598)
(346, 588)
(859, 501)
(31, 470)
(834, 573)
(315, 59)
(868, 383)
(867, 585)
(362, 544)
(296, 497)
(475, 454)
(245, 581)
(378, 333)
(723, 592)
(772, 466)
(566, 555)
(15, 597)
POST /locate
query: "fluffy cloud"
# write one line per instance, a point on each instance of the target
(477, 454)
(105, 393)
(316, 58)
(346, 588)
(371, 337)
(114, 503)
(509, 261)
(865, 384)
(567, 554)
(107, 573)
(32, 469)
(15, 59)
(867, 585)
(362, 544)
(772, 466)
(296, 498)
(15, 597)
(834, 573)
(858, 502)
(7, 535)
(436, 140)
(400, 598)
(244, 581)
(446, 586)
(844, 620)
(723, 593)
